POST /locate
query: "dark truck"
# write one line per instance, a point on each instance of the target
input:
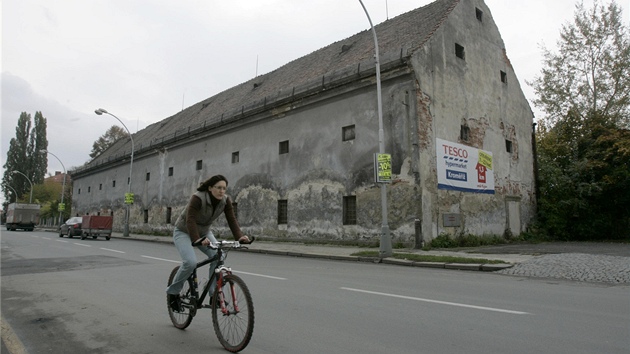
(22, 216)
(96, 225)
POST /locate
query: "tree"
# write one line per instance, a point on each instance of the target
(106, 140)
(590, 74)
(38, 142)
(584, 142)
(24, 155)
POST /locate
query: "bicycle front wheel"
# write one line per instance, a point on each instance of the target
(188, 304)
(234, 322)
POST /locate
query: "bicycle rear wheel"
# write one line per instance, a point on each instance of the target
(235, 327)
(188, 304)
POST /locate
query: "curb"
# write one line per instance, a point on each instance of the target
(390, 261)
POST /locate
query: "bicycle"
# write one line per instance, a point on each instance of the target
(231, 303)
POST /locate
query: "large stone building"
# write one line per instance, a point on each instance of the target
(298, 143)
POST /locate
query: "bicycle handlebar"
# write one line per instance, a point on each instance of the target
(232, 244)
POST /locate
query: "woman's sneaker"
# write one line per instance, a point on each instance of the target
(174, 302)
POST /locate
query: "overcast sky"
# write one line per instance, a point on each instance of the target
(145, 60)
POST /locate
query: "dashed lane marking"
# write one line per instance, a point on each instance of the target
(439, 302)
(111, 250)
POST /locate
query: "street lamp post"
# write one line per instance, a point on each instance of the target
(101, 111)
(385, 249)
(29, 181)
(63, 185)
(14, 192)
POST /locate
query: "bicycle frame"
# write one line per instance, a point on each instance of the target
(218, 272)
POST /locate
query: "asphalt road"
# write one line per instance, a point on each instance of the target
(97, 296)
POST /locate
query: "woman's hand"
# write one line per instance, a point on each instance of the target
(244, 240)
(204, 241)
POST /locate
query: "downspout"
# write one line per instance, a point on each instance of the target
(535, 153)
(415, 167)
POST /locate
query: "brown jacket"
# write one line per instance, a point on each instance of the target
(199, 214)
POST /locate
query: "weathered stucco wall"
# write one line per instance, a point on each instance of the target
(452, 92)
(426, 96)
(319, 170)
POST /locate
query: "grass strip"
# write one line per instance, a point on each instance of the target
(430, 258)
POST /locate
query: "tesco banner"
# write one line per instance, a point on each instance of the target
(464, 168)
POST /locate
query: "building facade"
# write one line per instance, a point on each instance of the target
(297, 144)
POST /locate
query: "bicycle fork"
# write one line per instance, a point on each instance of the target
(221, 272)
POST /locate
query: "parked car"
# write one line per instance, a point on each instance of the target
(72, 227)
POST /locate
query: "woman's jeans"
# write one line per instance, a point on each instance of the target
(189, 259)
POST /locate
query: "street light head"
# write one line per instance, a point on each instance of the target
(100, 111)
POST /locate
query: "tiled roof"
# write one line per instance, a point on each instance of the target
(398, 36)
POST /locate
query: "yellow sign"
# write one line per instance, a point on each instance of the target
(383, 168)
(485, 159)
(61, 207)
(128, 198)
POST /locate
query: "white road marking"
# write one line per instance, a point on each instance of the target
(260, 275)
(82, 244)
(62, 241)
(439, 302)
(46, 238)
(161, 259)
(107, 249)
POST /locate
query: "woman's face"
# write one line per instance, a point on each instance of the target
(218, 190)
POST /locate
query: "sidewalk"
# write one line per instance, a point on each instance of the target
(596, 262)
(337, 252)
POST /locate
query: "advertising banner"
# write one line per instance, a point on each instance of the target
(464, 168)
(383, 168)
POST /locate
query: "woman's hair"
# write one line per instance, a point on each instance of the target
(211, 182)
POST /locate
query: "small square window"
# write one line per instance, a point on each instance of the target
(508, 146)
(347, 133)
(282, 211)
(100, 186)
(89, 189)
(235, 158)
(284, 147)
(114, 184)
(168, 214)
(148, 176)
(350, 210)
(464, 133)
(479, 14)
(503, 77)
(146, 216)
(459, 51)
(79, 191)
(170, 171)
(199, 164)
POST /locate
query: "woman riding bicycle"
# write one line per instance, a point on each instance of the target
(192, 229)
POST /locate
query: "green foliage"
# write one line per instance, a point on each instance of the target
(108, 139)
(24, 155)
(583, 144)
(586, 196)
(443, 241)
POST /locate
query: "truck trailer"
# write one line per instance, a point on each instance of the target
(97, 225)
(22, 216)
